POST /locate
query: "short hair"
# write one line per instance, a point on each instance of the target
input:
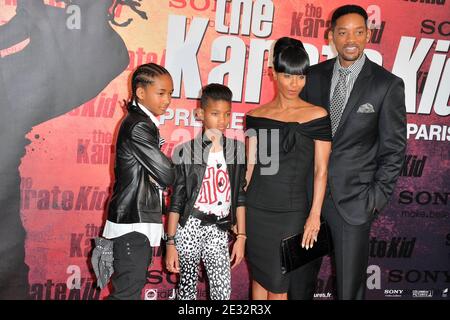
(144, 75)
(347, 9)
(289, 56)
(215, 92)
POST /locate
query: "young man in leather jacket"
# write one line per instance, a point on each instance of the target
(141, 171)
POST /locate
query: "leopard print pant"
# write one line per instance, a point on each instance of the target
(210, 244)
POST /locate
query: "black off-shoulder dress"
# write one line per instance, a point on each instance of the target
(277, 204)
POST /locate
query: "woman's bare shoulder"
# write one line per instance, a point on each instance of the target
(311, 112)
(318, 112)
(259, 111)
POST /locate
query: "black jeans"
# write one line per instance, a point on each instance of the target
(132, 257)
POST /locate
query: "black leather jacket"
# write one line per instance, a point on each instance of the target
(138, 157)
(190, 169)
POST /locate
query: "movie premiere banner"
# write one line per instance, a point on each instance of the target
(65, 68)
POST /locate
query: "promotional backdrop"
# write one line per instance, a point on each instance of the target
(64, 73)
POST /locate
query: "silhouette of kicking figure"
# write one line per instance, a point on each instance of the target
(58, 70)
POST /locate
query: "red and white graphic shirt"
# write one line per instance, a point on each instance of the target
(214, 196)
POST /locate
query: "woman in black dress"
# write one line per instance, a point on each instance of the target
(295, 136)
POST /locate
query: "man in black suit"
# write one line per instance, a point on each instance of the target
(368, 117)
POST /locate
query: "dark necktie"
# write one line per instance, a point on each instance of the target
(338, 99)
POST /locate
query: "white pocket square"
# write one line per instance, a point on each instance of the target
(366, 108)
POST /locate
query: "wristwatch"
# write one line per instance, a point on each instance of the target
(168, 238)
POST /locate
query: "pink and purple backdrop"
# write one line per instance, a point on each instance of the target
(66, 168)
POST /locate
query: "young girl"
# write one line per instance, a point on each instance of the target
(208, 199)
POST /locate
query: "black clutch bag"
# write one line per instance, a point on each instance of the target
(294, 256)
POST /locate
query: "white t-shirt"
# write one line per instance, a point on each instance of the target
(215, 193)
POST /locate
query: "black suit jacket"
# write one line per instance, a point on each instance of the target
(368, 148)
(138, 158)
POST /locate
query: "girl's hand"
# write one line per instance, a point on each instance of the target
(172, 262)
